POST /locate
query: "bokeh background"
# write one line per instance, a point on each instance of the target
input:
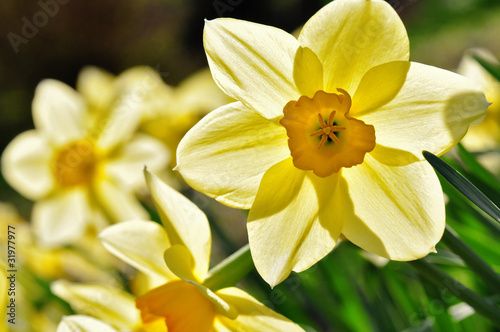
(167, 35)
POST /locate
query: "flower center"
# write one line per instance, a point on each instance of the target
(75, 164)
(327, 130)
(337, 141)
(176, 306)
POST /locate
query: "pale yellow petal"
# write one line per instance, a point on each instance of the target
(379, 86)
(394, 212)
(26, 165)
(121, 123)
(140, 244)
(180, 261)
(432, 112)
(61, 218)
(118, 201)
(252, 315)
(58, 112)
(252, 63)
(307, 72)
(351, 36)
(286, 228)
(126, 164)
(184, 222)
(96, 86)
(111, 305)
(80, 323)
(226, 154)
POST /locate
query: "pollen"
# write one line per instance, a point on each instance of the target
(322, 136)
(75, 164)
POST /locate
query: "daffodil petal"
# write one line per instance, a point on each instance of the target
(127, 163)
(432, 112)
(184, 222)
(118, 201)
(140, 244)
(307, 72)
(26, 165)
(252, 63)
(200, 94)
(379, 86)
(226, 154)
(95, 85)
(252, 315)
(180, 261)
(58, 112)
(80, 323)
(351, 36)
(111, 305)
(121, 123)
(61, 218)
(396, 212)
(285, 230)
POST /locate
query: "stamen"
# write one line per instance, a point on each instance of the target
(327, 130)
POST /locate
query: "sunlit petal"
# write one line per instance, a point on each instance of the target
(252, 63)
(350, 37)
(285, 230)
(217, 156)
(140, 244)
(432, 112)
(184, 222)
(396, 212)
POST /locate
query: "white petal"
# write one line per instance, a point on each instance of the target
(80, 323)
(59, 112)
(396, 212)
(252, 63)
(127, 163)
(118, 201)
(109, 304)
(226, 154)
(140, 244)
(61, 218)
(432, 112)
(184, 222)
(26, 165)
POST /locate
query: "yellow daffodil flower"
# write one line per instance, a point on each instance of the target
(485, 136)
(83, 161)
(176, 256)
(327, 135)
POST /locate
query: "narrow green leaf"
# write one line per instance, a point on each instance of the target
(442, 280)
(463, 185)
(493, 69)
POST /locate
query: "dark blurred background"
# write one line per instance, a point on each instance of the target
(66, 35)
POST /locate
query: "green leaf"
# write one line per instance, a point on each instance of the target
(463, 185)
(492, 68)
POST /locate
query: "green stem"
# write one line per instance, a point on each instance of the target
(473, 260)
(443, 280)
(231, 270)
